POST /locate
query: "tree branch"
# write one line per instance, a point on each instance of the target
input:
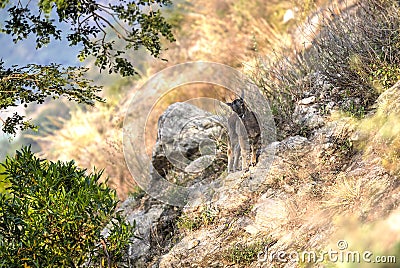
(119, 34)
(113, 16)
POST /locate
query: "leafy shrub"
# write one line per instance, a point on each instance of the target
(53, 215)
(283, 81)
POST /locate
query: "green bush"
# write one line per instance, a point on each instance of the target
(53, 215)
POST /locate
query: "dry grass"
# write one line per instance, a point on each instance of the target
(351, 59)
(94, 140)
(379, 133)
(381, 237)
(344, 195)
(229, 32)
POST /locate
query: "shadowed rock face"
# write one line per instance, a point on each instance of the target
(187, 142)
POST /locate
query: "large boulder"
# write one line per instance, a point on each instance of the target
(190, 145)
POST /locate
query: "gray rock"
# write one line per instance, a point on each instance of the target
(308, 115)
(154, 224)
(293, 143)
(139, 248)
(187, 142)
(307, 101)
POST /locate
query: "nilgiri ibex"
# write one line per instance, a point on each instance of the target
(244, 136)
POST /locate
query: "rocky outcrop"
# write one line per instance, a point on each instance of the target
(189, 141)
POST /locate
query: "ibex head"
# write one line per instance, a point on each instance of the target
(238, 106)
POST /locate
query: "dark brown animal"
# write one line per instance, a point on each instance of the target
(244, 136)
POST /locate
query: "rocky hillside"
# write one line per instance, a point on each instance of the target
(327, 192)
(330, 196)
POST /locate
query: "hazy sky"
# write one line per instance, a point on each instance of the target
(25, 52)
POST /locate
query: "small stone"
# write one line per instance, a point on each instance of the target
(330, 105)
(192, 244)
(327, 145)
(307, 101)
(289, 15)
(289, 189)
